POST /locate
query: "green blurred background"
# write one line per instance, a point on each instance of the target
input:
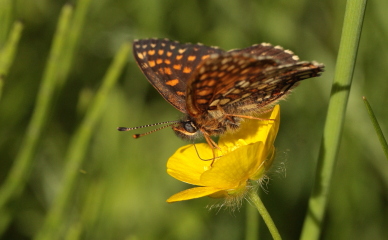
(122, 186)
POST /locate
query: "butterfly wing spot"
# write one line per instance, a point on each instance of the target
(169, 54)
(187, 70)
(177, 66)
(153, 45)
(203, 77)
(151, 63)
(278, 47)
(246, 95)
(167, 71)
(172, 82)
(221, 74)
(151, 52)
(231, 67)
(225, 61)
(191, 58)
(159, 61)
(224, 101)
(268, 80)
(214, 103)
(182, 50)
(201, 101)
(202, 70)
(246, 70)
(223, 67)
(167, 61)
(140, 55)
(204, 57)
(204, 92)
(160, 51)
(180, 93)
(172, 47)
(243, 84)
(178, 57)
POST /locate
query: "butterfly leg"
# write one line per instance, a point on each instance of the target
(213, 146)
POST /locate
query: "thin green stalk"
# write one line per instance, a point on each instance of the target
(264, 214)
(376, 125)
(77, 25)
(7, 53)
(78, 148)
(252, 223)
(6, 18)
(1, 85)
(18, 175)
(346, 59)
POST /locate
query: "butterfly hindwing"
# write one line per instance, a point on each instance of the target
(241, 81)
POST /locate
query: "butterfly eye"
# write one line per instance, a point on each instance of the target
(189, 127)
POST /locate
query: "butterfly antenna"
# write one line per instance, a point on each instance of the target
(170, 123)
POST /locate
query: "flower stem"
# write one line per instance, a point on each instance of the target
(265, 215)
(252, 223)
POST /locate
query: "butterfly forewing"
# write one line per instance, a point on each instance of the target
(168, 64)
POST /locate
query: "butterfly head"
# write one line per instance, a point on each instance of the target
(186, 129)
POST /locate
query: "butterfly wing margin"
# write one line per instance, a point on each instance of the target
(168, 64)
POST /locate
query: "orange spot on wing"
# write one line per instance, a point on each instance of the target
(152, 63)
(179, 57)
(151, 52)
(180, 93)
(187, 70)
(205, 56)
(167, 61)
(160, 51)
(191, 58)
(177, 67)
(159, 61)
(172, 82)
(167, 70)
(169, 54)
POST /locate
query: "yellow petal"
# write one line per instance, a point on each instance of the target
(233, 170)
(185, 164)
(192, 193)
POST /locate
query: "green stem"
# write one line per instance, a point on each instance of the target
(7, 52)
(252, 223)
(6, 18)
(376, 125)
(354, 15)
(264, 214)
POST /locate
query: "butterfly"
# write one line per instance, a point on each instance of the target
(216, 89)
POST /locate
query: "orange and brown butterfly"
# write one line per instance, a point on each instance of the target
(214, 88)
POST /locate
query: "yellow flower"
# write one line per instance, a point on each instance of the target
(245, 155)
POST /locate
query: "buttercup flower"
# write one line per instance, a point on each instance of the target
(244, 155)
